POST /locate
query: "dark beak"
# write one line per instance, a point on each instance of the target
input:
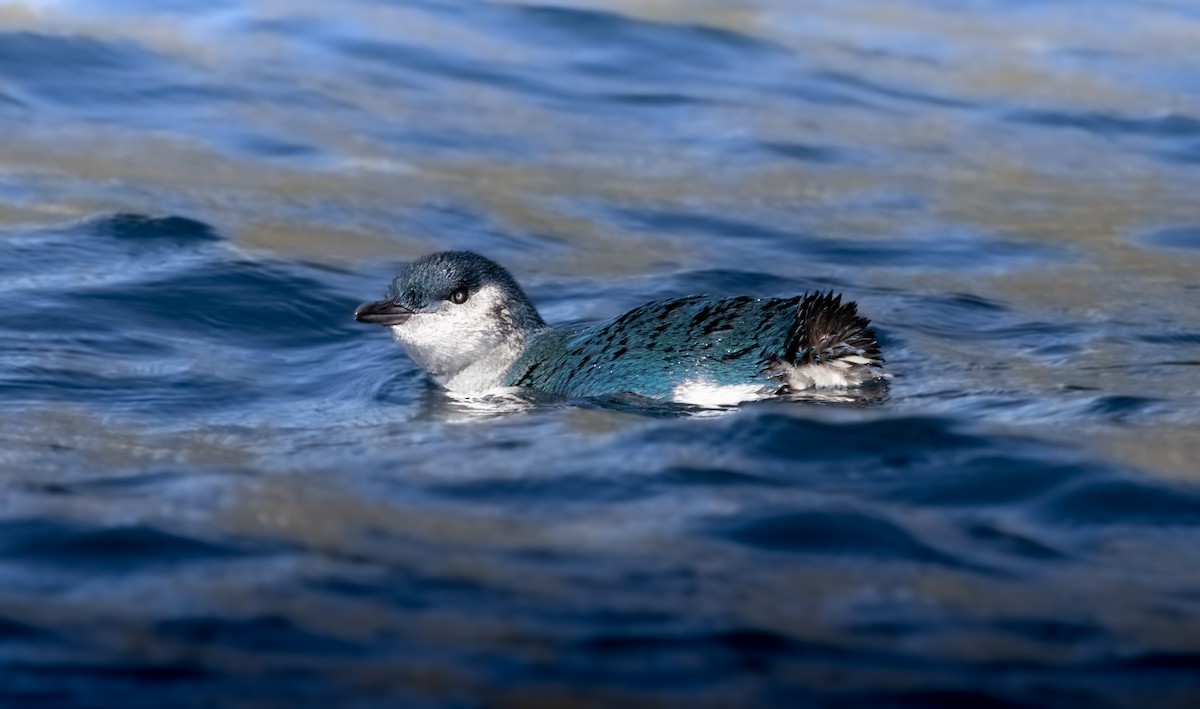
(382, 312)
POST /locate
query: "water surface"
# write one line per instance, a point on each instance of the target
(218, 488)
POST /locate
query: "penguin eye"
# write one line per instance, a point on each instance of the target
(459, 296)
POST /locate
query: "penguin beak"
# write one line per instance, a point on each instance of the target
(382, 312)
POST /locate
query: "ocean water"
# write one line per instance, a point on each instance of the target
(217, 489)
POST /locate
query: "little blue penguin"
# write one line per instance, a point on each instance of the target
(466, 321)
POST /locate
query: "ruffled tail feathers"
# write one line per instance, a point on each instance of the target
(828, 345)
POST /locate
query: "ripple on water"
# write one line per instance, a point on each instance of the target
(801, 152)
(949, 251)
(1168, 126)
(1113, 503)
(77, 548)
(261, 634)
(663, 52)
(81, 76)
(159, 317)
(894, 95)
(843, 534)
(1185, 239)
(138, 228)
(989, 480)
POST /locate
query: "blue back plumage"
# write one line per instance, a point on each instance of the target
(654, 348)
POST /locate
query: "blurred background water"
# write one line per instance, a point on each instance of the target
(217, 488)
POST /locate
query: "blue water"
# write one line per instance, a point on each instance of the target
(217, 488)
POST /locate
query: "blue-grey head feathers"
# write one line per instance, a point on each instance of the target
(460, 317)
(434, 278)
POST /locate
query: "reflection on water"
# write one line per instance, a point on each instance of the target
(218, 487)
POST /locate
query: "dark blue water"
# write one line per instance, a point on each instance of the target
(216, 488)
